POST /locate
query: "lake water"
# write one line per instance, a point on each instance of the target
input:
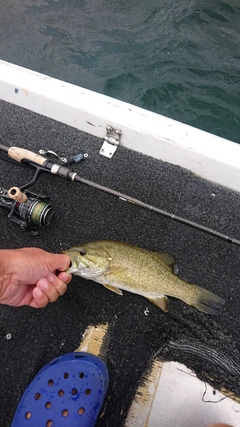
(178, 58)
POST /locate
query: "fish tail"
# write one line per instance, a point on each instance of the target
(207, 302)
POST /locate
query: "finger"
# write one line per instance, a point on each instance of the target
(52, 287)
(48, 289)
(39, 299)
(59, 285)
(65, 277)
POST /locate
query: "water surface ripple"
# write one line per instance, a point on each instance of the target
(179, 59)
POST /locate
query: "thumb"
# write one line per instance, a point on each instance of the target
(61, 261)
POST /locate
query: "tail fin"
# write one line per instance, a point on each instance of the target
(207, 302)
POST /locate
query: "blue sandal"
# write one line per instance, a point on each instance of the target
(69, 391)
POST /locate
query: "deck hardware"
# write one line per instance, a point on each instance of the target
(7, 335)
(46, 152)
(111, 141)
(77, 158)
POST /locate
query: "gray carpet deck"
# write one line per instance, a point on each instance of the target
(83, 214)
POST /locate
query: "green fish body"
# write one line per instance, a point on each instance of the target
(122, 266)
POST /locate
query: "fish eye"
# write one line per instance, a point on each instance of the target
(82, 252)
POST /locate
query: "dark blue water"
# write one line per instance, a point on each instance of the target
(178, 58)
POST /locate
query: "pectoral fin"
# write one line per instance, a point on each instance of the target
(113, 289)
(168, 259)
(160, 301)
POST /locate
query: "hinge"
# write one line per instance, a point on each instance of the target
(111, 141)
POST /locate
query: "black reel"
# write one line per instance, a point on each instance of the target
(27, 209)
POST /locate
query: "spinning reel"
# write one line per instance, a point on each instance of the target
(26, 209)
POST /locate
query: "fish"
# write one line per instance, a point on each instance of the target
(121, 266)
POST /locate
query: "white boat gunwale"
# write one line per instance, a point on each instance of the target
(206, 155)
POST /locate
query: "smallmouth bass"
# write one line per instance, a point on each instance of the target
(121, 266)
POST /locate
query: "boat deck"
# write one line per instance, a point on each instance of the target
(137, 334)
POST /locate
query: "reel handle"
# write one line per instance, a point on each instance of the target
(16, 194)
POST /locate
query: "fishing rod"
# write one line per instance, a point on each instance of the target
(41, 164)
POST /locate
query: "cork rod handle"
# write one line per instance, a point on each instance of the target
(19, 154)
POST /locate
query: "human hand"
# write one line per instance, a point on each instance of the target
(29, 276)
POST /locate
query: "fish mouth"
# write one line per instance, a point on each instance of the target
(72, 270)
(89, 274)
(81, 269)
(73, 265)
(84, 271)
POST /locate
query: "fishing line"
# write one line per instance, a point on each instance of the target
(196, 348)
(152, 208)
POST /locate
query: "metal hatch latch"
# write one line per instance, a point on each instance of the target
(111, 141)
